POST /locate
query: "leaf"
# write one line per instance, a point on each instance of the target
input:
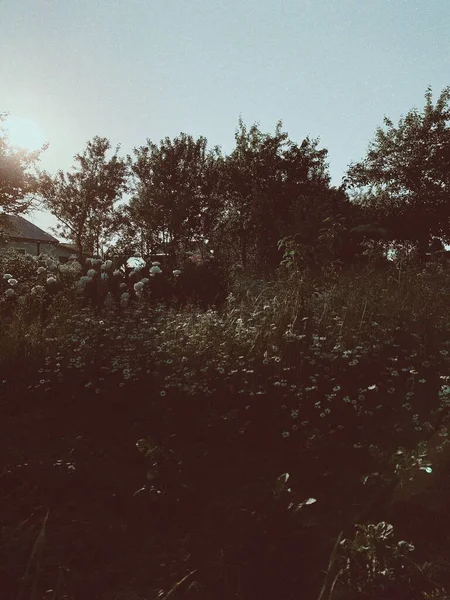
(426, 469)
(281, 483)
(310, 501)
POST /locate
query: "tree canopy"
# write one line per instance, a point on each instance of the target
(84, 200)
(18, 178)
(404, 180)
(175, 201)
(275, 188)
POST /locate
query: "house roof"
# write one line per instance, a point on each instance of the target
(19, 228)
(70, 248)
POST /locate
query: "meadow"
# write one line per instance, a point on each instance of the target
(291, 442)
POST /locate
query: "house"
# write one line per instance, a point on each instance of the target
(27, 238)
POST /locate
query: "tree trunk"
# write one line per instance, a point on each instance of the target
(80, 251)
(244, 250)
(422, 248)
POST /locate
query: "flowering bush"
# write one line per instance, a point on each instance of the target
(373, 562)
(336, 381)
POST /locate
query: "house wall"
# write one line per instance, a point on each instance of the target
(44, 248)
(32, 247)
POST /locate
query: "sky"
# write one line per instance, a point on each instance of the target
(143, 69)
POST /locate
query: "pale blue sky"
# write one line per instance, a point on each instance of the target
(136, 69)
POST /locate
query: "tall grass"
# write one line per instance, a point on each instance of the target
(323, 378)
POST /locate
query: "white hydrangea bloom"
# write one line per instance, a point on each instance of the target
(37, 289)
(176, 272)
(138, 286)
(50, 263)
(91, 273)
(51, 280)
(41, 270)
(12, 282)
(7, 276)
(155, 269)
(124, 299)
(109, 300)
(83, 281)
(9, 293)
(104, 276)
(75, 266)
(106, 265)
(135, 262)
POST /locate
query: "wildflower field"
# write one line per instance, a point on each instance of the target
(233, 439)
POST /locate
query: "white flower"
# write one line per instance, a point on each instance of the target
(145, 280)
(9, 292)
(12, 282)
(51, 280)
(106, 265)
(139, 286)
(109, 300)
(50, 263)
(176, 272)
(74, 267)
(37, 289)
(155, 269)
(156, 263)
(104, 276)
(91, 273)
(41, 270)
(117, 273)
(84, 279)
(135, 262)
(124, 299)
(123, 286)
(7, 276)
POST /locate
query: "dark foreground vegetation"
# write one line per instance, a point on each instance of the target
(156, 452)
(257, 405)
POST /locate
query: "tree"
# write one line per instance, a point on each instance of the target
(133, 234)
(175, 191)
(404, 180)
(18, 182)
(273, 188)
(84, 201)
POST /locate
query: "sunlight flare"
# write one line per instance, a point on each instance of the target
(24, 133)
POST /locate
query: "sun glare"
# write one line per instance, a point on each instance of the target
(24, 133)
